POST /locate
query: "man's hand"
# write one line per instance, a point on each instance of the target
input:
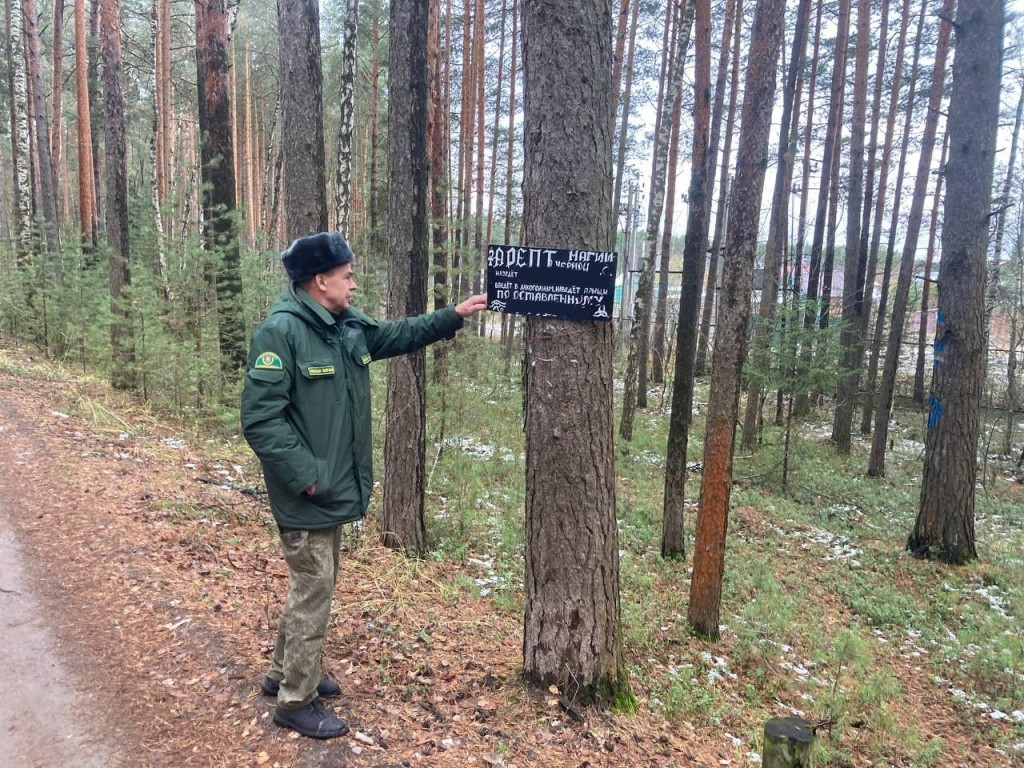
(471, 306)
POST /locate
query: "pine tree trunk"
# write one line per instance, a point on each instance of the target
(250, 171)
(213, 62)
(409, 244)
(478, 213)
(494, 130)
(57, 89)
(661, 307)
(1004, 204)
(731, 336)
(876, 465)
(622, 27)
(694, 246)
(123, 374)
(98, 124)
(86, 191)
(805, 176)
(851, 338)
(635, 380)
(733, 9)
(819, 274)
(302, 134)
(944, 528)
(620, 144)
(867, 254)
(571, 632)
(509, 327)
(440, 179)
(897, 79)
(766, 311)
(922, 328)
(375, 235)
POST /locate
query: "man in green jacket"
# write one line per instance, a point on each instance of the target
(306, 415)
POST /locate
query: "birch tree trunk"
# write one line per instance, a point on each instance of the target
(20, 137)
(347, 122)
(49, 225)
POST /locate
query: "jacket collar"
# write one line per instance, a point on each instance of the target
(323, 315)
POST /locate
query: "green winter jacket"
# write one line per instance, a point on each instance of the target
(306, 403)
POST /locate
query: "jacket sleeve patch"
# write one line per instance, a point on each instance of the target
(268, 361)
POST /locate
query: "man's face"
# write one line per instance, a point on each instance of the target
(337, 287)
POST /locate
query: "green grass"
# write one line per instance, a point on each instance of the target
(822, 608)
(827, 552)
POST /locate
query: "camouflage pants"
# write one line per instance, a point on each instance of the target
(312, 558)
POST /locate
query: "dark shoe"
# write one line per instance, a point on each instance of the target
(313, 720)
(325, 688)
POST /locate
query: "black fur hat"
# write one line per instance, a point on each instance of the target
(313, 254)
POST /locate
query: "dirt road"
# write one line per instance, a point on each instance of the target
(45, 713)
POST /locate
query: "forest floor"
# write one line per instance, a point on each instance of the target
(148, 547)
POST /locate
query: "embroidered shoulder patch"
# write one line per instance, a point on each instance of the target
(268, 361)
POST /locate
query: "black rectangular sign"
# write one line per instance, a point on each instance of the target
(572, 283)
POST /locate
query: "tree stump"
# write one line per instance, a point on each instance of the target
(787, 743)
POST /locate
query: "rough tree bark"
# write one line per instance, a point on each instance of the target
(408, 243)
(760, 345)
(851, 339)
(833, 133)
(302, 130)
(730, 33)
(731, 336)
(876, 464)
(694, 246)
(944, 528)
(635, 379)
(571, 632)
(883, 175)
(122, 375)
(926, 287)
(217, 166)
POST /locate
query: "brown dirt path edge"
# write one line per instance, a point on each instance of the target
(162, 588)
